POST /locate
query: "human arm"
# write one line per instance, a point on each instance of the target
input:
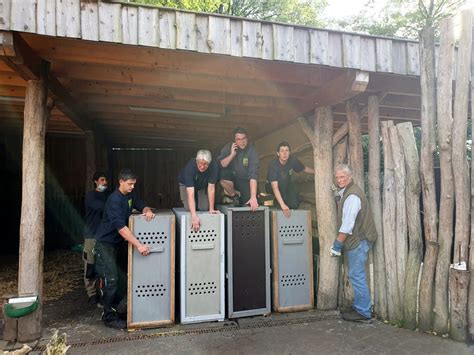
(253, 195)
(211, 195)
(308, 170)
(127, 234)
(227, 155)
(253, 175)
(195, 221)
(276, 192)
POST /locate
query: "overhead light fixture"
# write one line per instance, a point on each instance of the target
(175, 112)
(12, 98)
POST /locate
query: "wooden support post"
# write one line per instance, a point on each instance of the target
(446, 207)
(91, 162)
(459, 279)
(389, 227)
(470, 307)
(356, 158)
(380, 291)
(30, 269)
(415, 249)
(428, 145)
(321, 139)
(340, 152)
(401, 241)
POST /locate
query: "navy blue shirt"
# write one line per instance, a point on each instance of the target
(117, 210)
(190, 176)
(283, 173)
(245, 164)
(94, 202)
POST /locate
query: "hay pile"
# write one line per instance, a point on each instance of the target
(62, 274)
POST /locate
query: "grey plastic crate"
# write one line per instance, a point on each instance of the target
(151, 286)
(248, 261)
(202, 273)
(292, 261)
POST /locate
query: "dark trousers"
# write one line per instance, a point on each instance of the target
(240, 184)
(288, 193)
(111, 266)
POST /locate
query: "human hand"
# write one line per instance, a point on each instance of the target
(213, 211)
(195, 223)
(148, 215)
(233, 149)
(253, 203)
(143, 249)
(286, 211)
(336, 248)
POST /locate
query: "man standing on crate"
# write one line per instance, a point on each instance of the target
(94, 203)
(111, 248)
(279, 183)
(238, 162)
(356, 233)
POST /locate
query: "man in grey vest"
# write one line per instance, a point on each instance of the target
(356, 233)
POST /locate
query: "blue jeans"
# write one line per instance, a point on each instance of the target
(356, 259)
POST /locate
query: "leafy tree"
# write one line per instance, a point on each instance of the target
(302, 12)
(400, 18)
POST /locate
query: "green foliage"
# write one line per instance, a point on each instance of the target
(302, 12)
(401, 18)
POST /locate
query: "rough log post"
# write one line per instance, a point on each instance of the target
(321, 139)
(356, 158)
(458, 293)
(446, 207)
(415, 251)
(428, 145)
(340, 152)
(30, 268)
(389, 228)
(380, 291)
(401, 250)
(460, 275)
(91, 165)
(470, 306)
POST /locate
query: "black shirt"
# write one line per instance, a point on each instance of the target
(94, 202)
(117, 210)
(190, 176)
(282, 173)
(244, 164)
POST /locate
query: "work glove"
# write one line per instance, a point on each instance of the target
(336, 248)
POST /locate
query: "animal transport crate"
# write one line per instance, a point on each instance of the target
(248, 261)
(202, 267)
(151, 288)
(292, 261)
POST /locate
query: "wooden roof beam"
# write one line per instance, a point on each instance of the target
(20, 57)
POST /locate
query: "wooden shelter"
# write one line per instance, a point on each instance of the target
(125, 76)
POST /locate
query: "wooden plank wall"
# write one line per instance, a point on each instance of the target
(167, 28)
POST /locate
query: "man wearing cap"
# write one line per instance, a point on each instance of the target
(197, 185)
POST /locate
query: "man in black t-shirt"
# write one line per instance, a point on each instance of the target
(279, 176)
(94, 204)
(111, 243)
(197, 186)
(238, 164)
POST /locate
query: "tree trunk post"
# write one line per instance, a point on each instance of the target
(428, 145)
(30, 268)
(321, 139)
(470, 306)
(375, 201)
(446, 207)
(389, 227)
(415, 251)
(356, 157)
(458, 293)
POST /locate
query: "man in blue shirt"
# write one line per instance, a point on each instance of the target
(94, 204)
(111, 240)
(279, 183)
(197, 185)
(239, 165)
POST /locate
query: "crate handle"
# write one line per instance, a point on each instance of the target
(293, 241)
(203, 246)
(157, 249)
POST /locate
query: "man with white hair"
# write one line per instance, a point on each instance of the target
(197, 185)
(356, 232)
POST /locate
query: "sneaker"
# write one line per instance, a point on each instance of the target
(93, 300)
(356, 317)
(116, 324)
(233, 200)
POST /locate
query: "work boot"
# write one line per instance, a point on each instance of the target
(356, 317)
(94, 300)
(116, 323)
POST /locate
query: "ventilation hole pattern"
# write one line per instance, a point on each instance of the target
(202, 288)
(292, 232)
(202, 235)
(293, 280)
(157, 290)
(249, 223)
(152, 238)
